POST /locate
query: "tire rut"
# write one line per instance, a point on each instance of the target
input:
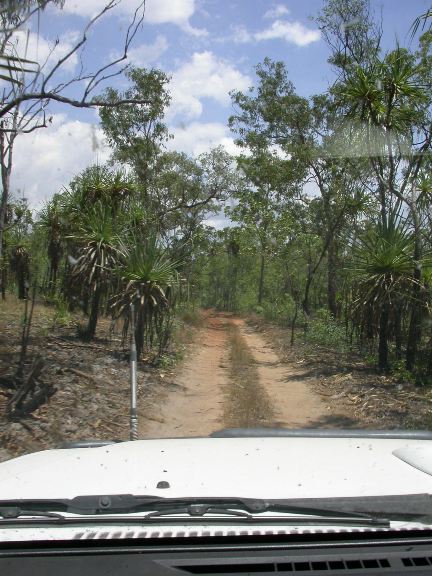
(211, 393)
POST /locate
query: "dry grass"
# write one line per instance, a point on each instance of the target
(349, 386)
(248, 404)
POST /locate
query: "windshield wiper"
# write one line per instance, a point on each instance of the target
(169, 509)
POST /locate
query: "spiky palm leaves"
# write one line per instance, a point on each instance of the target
(98, 256)
(383, 270)
(20, 267)
(52, 221)
(148, 277)
(112, 188)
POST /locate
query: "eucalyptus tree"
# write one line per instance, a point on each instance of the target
(137, 132)
(274, 115)
(262, 204)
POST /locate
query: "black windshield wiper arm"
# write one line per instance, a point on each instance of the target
(128, 503)
(247, 509)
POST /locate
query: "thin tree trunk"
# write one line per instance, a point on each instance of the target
(94, 313)
(293, 323)
(414, 332)
(398, 334)
(331, 279)
(261, 280)
(383, 337)
(6, 150)
(305, 303)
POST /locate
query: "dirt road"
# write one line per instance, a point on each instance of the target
(215, 390)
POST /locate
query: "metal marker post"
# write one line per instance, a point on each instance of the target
(133, 363)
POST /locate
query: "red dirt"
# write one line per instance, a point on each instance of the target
(195, 403)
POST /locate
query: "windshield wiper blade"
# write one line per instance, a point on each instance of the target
(12, 512)
(246, 509)
(200, 510)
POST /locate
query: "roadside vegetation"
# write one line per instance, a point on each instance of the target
(328, 213)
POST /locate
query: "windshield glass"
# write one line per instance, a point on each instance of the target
(214, 215)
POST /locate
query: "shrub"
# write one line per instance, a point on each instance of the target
(281, 310)
(324, 330)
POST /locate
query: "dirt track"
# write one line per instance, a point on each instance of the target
(200, 399)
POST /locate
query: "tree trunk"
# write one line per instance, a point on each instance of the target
(6, 149)
(383, 337)
(261, 280)
(398, 333)
(293, 324)
(94, 313)
(331, 279)
(414, 332)
(305, 303)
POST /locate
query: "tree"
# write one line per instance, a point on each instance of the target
(148, 278)
(383, 263)
(391, 104)
(137, 132)
(304, 130)
(262, 204)
(41, 85)
(98, 258)
(32, 87)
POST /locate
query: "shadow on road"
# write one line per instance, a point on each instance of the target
(335, 421)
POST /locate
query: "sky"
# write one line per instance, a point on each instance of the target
(207, 47)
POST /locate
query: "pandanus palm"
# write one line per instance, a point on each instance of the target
(113, 188)
(98, 256)
(383, 271)
(52, 220)
(20, 267)
(148, 277)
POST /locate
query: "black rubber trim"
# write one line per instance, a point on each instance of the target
(320, 433)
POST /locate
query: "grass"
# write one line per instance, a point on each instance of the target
(248, 403)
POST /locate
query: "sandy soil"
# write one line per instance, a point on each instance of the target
(193, 404)
(294, 403)
(196, 402)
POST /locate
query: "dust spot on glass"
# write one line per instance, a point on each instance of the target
(94, 138)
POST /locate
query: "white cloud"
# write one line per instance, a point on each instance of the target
(47, 159)
(241, 35)
(293, 32)
(199, 137)
(277, 11)
(204, 76)
(176, 12)
(148, 54)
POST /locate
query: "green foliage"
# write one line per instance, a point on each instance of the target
(323, 330)
(400, 373)
(281, 310)
(148, 281)
(62, 316)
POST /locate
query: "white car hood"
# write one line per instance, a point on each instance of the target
(218, 467)
(243, 467)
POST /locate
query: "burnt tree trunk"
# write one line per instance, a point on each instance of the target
(383, 340)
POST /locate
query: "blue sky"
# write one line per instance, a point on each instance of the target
(209, 47)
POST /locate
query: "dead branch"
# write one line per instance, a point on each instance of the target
(37, 89)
